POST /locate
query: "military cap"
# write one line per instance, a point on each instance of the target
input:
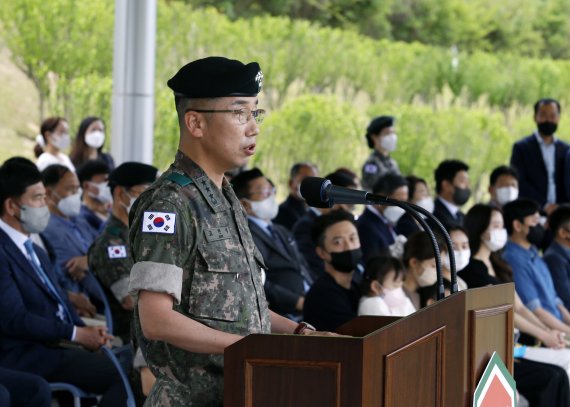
(217, 77)
(132, 173)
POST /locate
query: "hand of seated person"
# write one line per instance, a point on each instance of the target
(76, 267)
(82, 305)
(128, 303)
(92, 337)
(300, 304)
(554, 339)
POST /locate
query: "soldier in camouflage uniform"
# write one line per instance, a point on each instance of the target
(381, 137)
(197, 272)
(108, 256)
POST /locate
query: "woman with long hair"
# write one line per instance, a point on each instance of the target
(89, 143)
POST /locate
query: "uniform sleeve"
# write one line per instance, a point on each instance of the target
(161, 237)
(370, 172)
(110, 262)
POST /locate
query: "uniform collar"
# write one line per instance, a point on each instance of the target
(211, 193)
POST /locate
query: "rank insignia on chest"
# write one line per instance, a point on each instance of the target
(159, 222)
(117, 251)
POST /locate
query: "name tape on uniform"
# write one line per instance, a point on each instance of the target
(117, 251)
(159, 222)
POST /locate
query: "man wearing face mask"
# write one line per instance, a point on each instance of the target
(452, 187)
(36, 316)
(503, 186)
(557, 256)
(97, 198)
(109, 256)
(287, 275)
(294, 206)
(68, 233)
(531, 275)
(333, 298)
(376, 225)
(540, 159)
(381, 137)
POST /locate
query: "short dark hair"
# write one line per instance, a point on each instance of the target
(419, 246)
(412, 182)
(500, 171)
(16, 175)
(53, 174)
(446, 171)
(518, 210)
(476, 222)
(341, 179)
(430, 292)
(377, 267)
(90, 168)
(388, 183)
(296, 168)
(546, 101)
(240, 183)
(376, 126)
(559, 217)
(323, 222)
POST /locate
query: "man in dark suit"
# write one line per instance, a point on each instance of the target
(376, 226)
(294, 207)
(540, 159)
(452, 187)
(36, 315)
(557, 256)
(287, 275)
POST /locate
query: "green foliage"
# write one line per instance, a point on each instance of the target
(317, 128)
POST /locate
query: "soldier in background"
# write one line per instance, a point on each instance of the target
(109, 257)
(197, 273)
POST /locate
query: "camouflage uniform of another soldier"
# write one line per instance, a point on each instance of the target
(191, 240)
(378, 163)
(110, 261)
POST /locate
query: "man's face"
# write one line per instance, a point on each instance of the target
(260, 189)
(547, 112)
(527, 223)
(68, 185)
(420, 192)
(503, 181)
(400, 193)
(294, 184)
(229, 143)
(340, 237)
(461, 179)
(34, 197)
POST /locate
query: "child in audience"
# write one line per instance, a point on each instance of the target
(382, 288)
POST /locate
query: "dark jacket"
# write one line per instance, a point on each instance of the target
(374, 233)
(290, 212)
(441, 212)
(302, 235)
(558, 261)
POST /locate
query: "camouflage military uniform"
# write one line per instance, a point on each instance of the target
(375, 166)
(110, 261)
(207, 261)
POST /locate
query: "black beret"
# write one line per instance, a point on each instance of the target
(132, 173)
(217, 77)
(379, 123)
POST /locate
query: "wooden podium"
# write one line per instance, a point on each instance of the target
(433, 357)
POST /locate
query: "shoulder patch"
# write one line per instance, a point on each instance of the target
(371, 168)
(117, 252)
(159, 222)
(180, 179)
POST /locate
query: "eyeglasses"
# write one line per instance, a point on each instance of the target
(243, 114)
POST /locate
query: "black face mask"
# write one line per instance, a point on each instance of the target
(535, 235)
(461, 195)
(547, 128)
(346, 261)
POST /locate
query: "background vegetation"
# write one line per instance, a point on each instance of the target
(461, 77)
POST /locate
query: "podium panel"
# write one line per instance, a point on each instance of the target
(433, 357)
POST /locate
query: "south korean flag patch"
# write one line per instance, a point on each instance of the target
(159, 222)
(117, 252)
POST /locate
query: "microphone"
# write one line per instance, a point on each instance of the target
(321, 193)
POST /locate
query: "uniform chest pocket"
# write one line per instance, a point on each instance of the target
(216, 291)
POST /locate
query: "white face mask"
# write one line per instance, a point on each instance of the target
(428, 277)
(389, 142)
(104, 194)
(394, 297)
(498, 239)
(393, 213)
(95, 139)
(266, 209)
(426, 203)
(461, 259)
(506, 195)
(60, 141)
(70, 206)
